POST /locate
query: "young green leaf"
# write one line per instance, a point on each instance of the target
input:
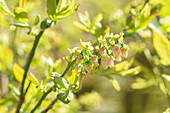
(165, 10)
(72, 77)
(6, 55)
(18, 72)
(21, 25)
(162, 47)
(115, 84)
(80, 26)
(37, 19)
(51, 8)
(97, 19)
(59, 80)
(132, 71)
(85, 19)
(65, 97)
(21, 15)
(33, 79)
(5, 9)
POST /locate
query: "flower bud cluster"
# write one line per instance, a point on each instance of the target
(105, 51)
(111, 48)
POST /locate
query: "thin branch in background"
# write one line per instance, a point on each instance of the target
(41, 99)
(45, 94)
(50, 106)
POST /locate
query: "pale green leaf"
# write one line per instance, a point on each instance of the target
(162, 47)
(142, 83)
(21, 15)
(51, 7)
(6, 55)
(115, 84)
(81, 26)
(165, 10)
(145, 23)
(18, 72)
(123, 65)
(37, 19)
(33, 79)
(72, 77)
(97, 19)
(5, 9)
(167, 77)
(21, 25)
(132, 71)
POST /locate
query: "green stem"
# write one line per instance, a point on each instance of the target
(68, 67)
(45, 94)
(31, 55)
(50, 106)
(41, 99)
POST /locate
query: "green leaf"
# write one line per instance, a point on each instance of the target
(51, 8)
(162, 47)
(48, 60)
(123, 65)
(57, 79)
(18, 72)
(14, 89)
(6, 55)
(85, 19)
(142, 83)
(133, 71)
(72, 77)
(33, 79)
(102, 31)
(165, 10)
(21, 25)
(21, 15)
(145, 23)
(7, 101)
(5, 9)
(56, 65)
(156, 2)
(37, 19)
(67, 13)
(97, 19)
(167, 77)
(115, 84)
(65, 97)
(80, 26)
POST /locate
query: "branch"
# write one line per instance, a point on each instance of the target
(45, 94)
(31, 55)
(42, 98)
(50, 106)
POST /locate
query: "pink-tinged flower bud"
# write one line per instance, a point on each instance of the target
(94, 61)
(77, 69)
(81, 76)
(105, 62)
(116, 51)
(124, 52)
(78, 59)
(88, 68)
(103, 52)
(111, 62)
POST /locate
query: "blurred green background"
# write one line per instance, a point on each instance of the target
(97, 94)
